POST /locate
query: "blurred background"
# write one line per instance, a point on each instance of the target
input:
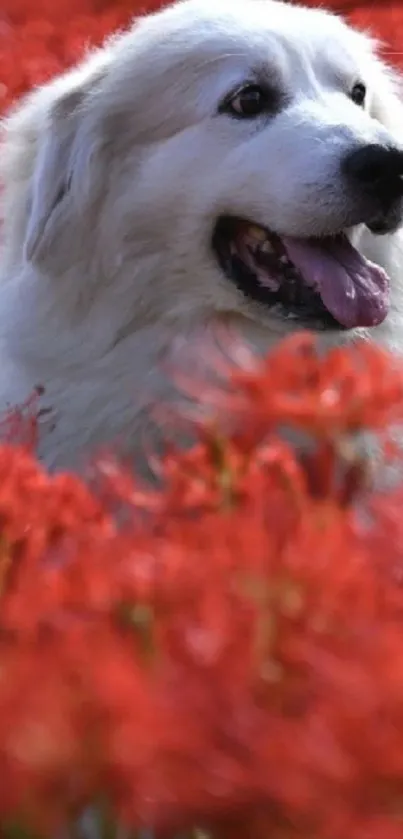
(38, 38)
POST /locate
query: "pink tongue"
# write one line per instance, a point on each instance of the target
(353, 289)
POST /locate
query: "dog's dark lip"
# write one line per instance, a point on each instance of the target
(381, 227)
(292, 300)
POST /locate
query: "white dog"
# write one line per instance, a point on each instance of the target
(221, 162)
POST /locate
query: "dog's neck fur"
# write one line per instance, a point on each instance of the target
(101, 385)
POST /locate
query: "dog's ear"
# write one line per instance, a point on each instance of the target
(64, 177)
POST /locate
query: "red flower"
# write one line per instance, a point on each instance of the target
(230, 658)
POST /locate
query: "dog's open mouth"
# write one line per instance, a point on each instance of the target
(324, 282)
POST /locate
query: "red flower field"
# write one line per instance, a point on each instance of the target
(221, 657)
(227, 661)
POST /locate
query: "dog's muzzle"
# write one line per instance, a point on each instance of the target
(324, 283)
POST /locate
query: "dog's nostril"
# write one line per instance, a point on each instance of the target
(375, 166)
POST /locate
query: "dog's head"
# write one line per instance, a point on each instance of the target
(216, 158)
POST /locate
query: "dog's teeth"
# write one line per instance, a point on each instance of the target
(257, 233)
(266, 247)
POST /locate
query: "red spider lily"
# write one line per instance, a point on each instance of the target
(229, 660)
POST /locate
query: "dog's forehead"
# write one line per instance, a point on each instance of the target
(193, 53)
(207, 33)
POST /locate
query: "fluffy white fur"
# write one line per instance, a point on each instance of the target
(114, 175)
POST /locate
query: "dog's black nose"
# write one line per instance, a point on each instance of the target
(377, 171)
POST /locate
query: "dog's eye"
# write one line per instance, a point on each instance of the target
(358, 94)
(248, 102)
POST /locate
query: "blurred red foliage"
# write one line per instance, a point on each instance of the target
(228, 659)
